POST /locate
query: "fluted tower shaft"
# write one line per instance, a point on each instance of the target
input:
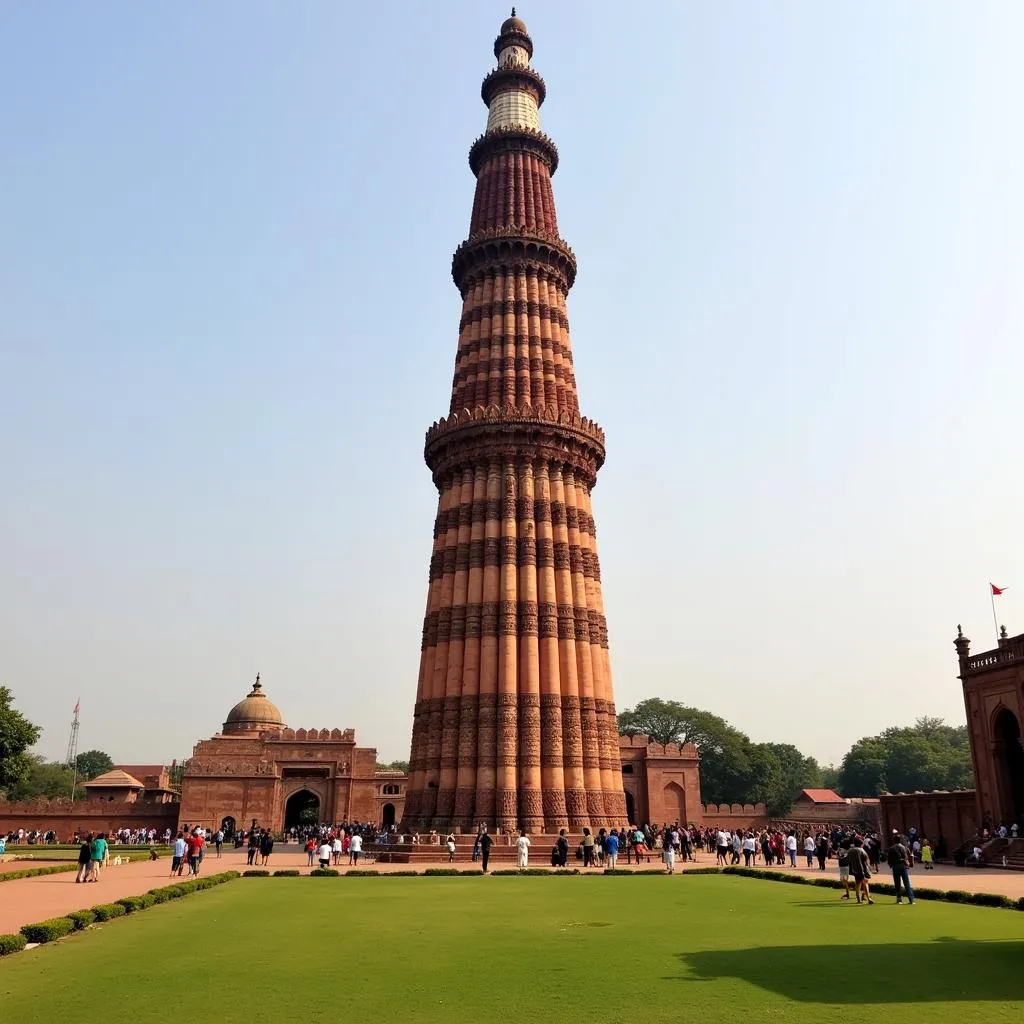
(515, 722)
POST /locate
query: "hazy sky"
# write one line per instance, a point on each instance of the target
(227, 320)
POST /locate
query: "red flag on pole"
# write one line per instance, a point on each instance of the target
(77, 702)
(996, 591)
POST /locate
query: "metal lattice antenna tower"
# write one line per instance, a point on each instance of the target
(72, 758)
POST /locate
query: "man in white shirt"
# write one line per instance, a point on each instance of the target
(324, 853)
(791, 848)
(523, 849)
(178, 857)
(355, 848)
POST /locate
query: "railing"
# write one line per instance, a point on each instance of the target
(1007, 655)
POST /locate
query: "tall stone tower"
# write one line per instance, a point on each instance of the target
(515, 720)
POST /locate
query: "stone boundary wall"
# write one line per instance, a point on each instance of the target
(733, 816)
(952, 814)
(64, 817)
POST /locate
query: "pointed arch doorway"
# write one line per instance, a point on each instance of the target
(302, 808)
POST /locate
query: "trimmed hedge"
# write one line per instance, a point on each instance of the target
(12, 944)
(354, 873)
(445, 871)
(82, 918)
(48, 931)
(256, 873)
(977, 899)
(326, 873)
(288, 873)
(106, 911)
(55, 869)
(133, 903)
(408, 874)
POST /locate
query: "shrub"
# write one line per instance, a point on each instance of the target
(333, 872)
(929, 894)
(701, 871)
(47, 931)
(82, 918)
(505, 871)
(414, 874)
(53, 869)
(12, 944)
(442, 871)
(287, 873)
(106, 911)
(256, 873)
(354, 873)
(957, 896)
(159, 895)
(991, 899)
(1020, 903)
(130, 903)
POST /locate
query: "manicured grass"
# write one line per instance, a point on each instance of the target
(453, 950)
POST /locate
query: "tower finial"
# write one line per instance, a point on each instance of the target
(513, 12)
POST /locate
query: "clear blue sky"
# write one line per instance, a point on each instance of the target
(227, 320)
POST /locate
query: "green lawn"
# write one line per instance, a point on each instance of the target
(450, 950)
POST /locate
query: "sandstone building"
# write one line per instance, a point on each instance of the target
(256, 768)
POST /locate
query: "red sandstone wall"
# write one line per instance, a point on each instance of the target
(953, 815)
(92, 815)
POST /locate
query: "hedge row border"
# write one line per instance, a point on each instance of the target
(55, 869)
(977, 899)
(54, 928)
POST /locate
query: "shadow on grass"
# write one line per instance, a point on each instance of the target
(943, 970)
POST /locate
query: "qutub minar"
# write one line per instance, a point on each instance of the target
(515, 720)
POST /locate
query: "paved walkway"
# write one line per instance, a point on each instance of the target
(35, 899)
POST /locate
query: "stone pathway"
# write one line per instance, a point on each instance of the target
(35, 899)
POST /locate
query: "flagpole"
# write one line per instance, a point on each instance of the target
(995, 620)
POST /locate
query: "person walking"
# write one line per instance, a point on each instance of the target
(254, 845)
(898, 858)
(324, 854)
(84, 860)
(563, 849)
(266, 847)
(355, 848)
(485, 849)
(588, 848)
(611, 849)
(668, 851)
(97, 853)
(843, 859)
(336, 850)
(311, 848)
(861, 871)
(450, 846)
(791, 848)
(218, 841)
(523, 850)
(178, 857)
(927, 856)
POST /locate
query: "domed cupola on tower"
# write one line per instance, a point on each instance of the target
(255, 713)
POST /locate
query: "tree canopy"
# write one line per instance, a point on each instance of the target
(45, 780)
(17, 734)
(928, 755)
(394, 766)
(733, 769)
(93, 763)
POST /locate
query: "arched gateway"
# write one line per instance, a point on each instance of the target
(302, 808)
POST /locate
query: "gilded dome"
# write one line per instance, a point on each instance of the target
(254, 713)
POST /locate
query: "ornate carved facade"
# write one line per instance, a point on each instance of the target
(993, 684)
(515, 721)
(258, 768)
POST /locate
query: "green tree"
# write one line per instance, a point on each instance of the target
(928, 755)
(394, 766)
(93, 763)
(17, 734)
(45, 780)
